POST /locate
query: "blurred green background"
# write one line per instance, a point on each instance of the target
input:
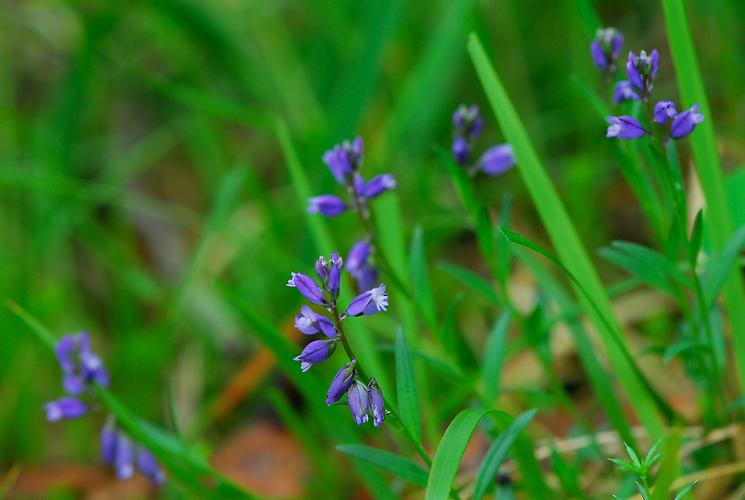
(140, 167)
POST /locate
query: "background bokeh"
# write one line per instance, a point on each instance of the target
(142, 171)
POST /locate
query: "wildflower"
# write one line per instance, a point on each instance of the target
(467, 125)
(497, 159)
(623, 91)
(368, 303)
(315, 352)
(685, 122)
(467, 121)
(344, 160)
(664, 111)
(377, 403)
(149, 467)
(460, 150)
(81, 366)
(109, 437)
(123, 461)
(120, 451)
(326, 204)
(65, 408)
(624, 127)
(334, 280)
(358, 256)
(309, 322)
(357, 398)
(605, 49)
(378, 185)
(642, 70)
(366, 277)
(307, 287)
(341, 382)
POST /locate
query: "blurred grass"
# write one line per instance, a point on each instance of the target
(141, 163)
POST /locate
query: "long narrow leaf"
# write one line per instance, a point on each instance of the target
(498, 451)
(494, 355)
(408, 401)
(396, 464)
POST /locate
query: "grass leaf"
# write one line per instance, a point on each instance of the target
(408, 401)
(494, 355)
(498, 451)
(396, 464)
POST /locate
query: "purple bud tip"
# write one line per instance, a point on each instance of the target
(65, 409)
(624, 127)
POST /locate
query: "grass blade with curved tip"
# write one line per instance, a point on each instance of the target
(565, 238)
(708, 165)
(450, 452)
(396, 464)
(498, 452)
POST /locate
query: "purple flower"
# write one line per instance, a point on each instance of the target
(109, 438)
(315, 352)
(81, 366)
(497, 159)
(366, 277)
(123, 462)
(623, 91)
(642, 70)
(605, 49)
(341, 382)
(358, 256)
(149, 467)
(344, 160)
(335, 275)
(624, 127)
(664, 111)
(307, 288)
(467, 121)
(309, 322)
(322, 268)
(369, 302)
(358, 401)
(65, 408)
(378, 185)
(685, 122)
(377, 403)
(460, 150)
(326, 204)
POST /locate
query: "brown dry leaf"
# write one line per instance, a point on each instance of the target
(264, 459)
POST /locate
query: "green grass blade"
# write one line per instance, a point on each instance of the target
(494, 356)
(720, 266)
(472, 280)
(420, 278)
(450, 452)
(396, 464)
(564, 236)
(708, 165)
(497, 453)
(408, 401)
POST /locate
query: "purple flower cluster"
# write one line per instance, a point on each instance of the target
(641, 73)
(123, 454)
(605, 49)
(82, 368)
(362, 399)
(467, 126)
(344, 162)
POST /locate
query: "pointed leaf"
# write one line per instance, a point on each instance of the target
(408, 401)
(396, 464)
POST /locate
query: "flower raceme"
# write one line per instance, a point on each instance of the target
(344, 161)
(361, 398)
(82, 368)
(678, 125)
(642, 70)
